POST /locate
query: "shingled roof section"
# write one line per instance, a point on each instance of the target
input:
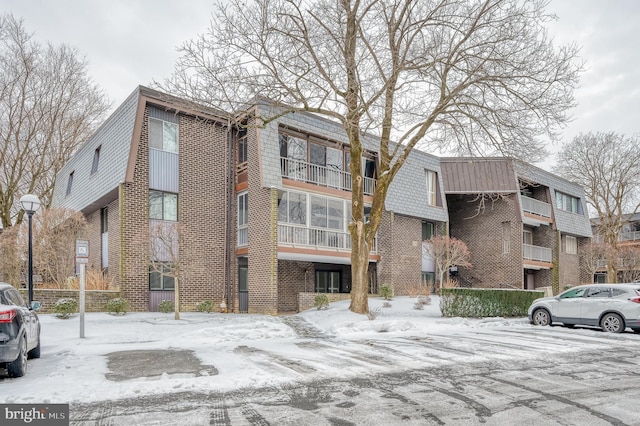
(467, 175)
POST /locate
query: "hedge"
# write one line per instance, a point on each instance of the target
(478, 303)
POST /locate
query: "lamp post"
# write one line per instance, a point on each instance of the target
(30, 204)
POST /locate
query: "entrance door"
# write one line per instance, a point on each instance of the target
(243, 284)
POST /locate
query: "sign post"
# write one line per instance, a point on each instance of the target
(82, 258)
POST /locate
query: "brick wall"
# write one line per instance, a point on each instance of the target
(95, 300)
(262, 228)
(134, 228)
(293, 278)
(202, 210)
(482, 233)
(400, 248)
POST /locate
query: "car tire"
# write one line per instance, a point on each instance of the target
(541, 317)
(35, 352)
(612, 323)
(18, 367)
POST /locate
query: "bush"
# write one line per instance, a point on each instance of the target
(166, 306)
(206, 306)
(386, 292)
(424, 300)
(117, 306)
(65, 307)
(419, 306)
(386, 305)
(321, 301)
(478, 303)
(373, 313)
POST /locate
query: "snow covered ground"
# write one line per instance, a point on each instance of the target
(259, 350)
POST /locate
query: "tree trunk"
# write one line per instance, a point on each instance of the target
(359, 269)
(176, 292)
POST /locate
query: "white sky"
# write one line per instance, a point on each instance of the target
(132, 42)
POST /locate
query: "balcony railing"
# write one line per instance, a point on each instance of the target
(296, 235)
(537, 207)
(536, 253)
(319, 175)
(624, 236)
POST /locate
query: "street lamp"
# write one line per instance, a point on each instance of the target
(30, 204)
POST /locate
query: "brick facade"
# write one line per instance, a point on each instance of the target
(95, 300)
(400, 248)
(483, 234)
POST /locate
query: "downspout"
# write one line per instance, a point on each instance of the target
(228, 214)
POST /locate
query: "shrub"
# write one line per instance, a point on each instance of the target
(321, 301)
(478, 303)
(424, 300)
(373, 313)
(166, 306)
(65, 307)
(386, 305)
(206, 306)
(416, 289)
(419, 306)
(386, 292)
(117, 306)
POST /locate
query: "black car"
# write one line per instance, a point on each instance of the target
(19, 331)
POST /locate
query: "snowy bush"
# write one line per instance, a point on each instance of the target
(321, 301)
(373, 313)
(419, 306)
(206, 306)
(65, 307)
(166, 306)
(386, 292)
(386, 305)
(424, 300)
(117, 306)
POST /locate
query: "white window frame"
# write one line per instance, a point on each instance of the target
(570, 244)
(431, 182)
(165, 125)
(242, 218)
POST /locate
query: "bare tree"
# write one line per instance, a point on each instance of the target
(170, 256)
(594, 257)
(629, 263)
(607, 165)
(54, 236)
(48, 107)
(474, 77)
(446, 253)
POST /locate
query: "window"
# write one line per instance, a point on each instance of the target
(104, 220)
(570, 294)
(163, 206)
(428, 278)
(567, 202)
(292, 207)
(527, 237)
(243, 220)
(427, 230)
(599, 292)
(242, 150)
(327, 282)
(160, 277)
(96, 160)
(570, 244)
(163, 135)
(69, 183)
(431, 187)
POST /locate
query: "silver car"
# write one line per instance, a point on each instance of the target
(612, 307)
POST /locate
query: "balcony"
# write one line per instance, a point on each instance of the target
(623, 237)
(318, 238)
(303, 171)
(536, 212)
(536, 253)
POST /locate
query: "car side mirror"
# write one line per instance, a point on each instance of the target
(35, 306)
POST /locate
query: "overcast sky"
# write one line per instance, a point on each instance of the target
(132, 42)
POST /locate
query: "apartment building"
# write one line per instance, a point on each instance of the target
(525, 227)
(628, 257)
(263, 211)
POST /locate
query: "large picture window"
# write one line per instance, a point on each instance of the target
(163, 206)
(327, 282)
(163, 135)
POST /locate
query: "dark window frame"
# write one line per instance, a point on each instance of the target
(96, 160)
(167, 281)
(70, 183)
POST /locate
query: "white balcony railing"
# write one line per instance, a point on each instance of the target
(302, 236)
(536, 253)
(320, 175)
(624, 236)
(537, 207)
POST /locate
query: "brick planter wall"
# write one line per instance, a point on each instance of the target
(95, 300)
